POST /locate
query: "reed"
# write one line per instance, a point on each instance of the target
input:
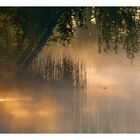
(62, 70)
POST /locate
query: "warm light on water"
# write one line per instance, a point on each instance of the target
(14, 99)
(2, 100)
(109, 103)
(28, 115)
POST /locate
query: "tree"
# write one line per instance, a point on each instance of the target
(118, 26)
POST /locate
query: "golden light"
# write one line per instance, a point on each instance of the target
(2, 100)
(93, 21)
(14, 99)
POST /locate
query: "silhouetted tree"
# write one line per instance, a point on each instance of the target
(33, 27)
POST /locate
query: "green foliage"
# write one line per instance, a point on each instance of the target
(21, 29)
(10, 38)
(118, 26)
(27, 25)
(70, 20)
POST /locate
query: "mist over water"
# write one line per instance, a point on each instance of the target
(108, 101)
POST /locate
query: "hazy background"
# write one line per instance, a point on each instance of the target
(110, 103)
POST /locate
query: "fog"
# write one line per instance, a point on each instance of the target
(108, 103)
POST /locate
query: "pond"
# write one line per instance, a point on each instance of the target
(89, 94)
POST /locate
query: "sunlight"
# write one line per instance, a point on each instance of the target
(14, 99)
(2, 100)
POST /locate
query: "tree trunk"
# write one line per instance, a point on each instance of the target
(32, 54)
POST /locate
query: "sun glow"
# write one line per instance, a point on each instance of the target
(14, 99)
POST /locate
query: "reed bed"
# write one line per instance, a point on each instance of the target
(61, 70)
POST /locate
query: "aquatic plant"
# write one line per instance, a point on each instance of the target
(63, 70)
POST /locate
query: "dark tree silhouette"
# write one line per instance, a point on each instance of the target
(33, 27)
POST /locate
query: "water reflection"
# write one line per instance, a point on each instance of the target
(96, 109)
(71, 110)
(57, 111)
(108, 103)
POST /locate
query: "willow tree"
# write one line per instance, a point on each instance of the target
(33, 27)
